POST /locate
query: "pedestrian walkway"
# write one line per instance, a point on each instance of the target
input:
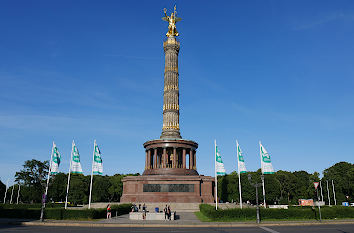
(183, 218)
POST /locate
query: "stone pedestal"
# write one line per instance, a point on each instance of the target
(167, 189)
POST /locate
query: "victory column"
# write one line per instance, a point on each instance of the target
(168, 175)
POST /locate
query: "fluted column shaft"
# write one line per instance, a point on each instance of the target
(164, 159)
(149, 159)
(155, 158)
(184, 158)
(191, 159)
(146, 159)
(170, 127)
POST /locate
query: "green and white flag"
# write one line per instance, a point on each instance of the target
(266, 164)
(75, 160)
(97, 166)
(55, 160)
(240, 160)
(219, 165)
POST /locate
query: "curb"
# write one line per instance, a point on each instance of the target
(140, 225)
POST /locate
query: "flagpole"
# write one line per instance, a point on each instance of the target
(239, 174)
(334, 194)
(93, 159)
(7, 185)
(68, 183)
(329, 199)
(216, 182)
(46, 187)
(264, 200)
(12, 193)
(18, 192)
(321, 191)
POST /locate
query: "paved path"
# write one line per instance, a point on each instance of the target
(185, 218)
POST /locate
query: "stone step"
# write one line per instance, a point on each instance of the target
(178, 207)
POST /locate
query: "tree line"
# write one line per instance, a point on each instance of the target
(33, 178)
(283, 187)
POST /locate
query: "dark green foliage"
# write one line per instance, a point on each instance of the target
(33, 177)
(20, 213)
(101, 183)
(236, 214)
(285, 187)
(79, 189)
(57, 187)
(31, 206)
(2, 190)
(269, 214)
(61, 213)
(343, 175)
(26, 212)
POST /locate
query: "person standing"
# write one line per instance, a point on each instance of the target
(144, 211)
(169, 213)
(165, 210)
(109, 211)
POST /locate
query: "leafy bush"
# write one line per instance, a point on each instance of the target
(284, 214)
(61, 213)
(20, 213)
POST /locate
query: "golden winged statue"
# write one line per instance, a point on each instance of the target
(172, 19)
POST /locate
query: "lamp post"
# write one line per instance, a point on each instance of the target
(256, 185)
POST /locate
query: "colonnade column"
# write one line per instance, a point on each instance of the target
(164, 160)
(146, 159)
(184, 157)
(175, 158)
(155, 158)
(195, 160)
(190, 159)
(149, 158)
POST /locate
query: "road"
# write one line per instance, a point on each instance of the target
(341, 228)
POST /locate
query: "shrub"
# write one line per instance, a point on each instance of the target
(61, 213)
(20, 213)
(283, 214)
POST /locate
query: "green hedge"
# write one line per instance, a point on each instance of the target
(281, 214)
(35, 205)
(20, 213)
(61, 213)
(57, 213)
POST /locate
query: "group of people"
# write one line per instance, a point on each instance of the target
(167, 211)
(135, 208)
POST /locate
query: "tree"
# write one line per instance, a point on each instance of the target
(303, 183)
(116, 189)
(2, 190)
(57, 187)
(79, 189)
(342, 174)
(33, 178)
(287, 182)
(100, 188)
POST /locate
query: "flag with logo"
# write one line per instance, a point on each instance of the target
(219, 165)
(97, 166)
(75, 160)
(55, 160)
(240, 160)
(266, 164)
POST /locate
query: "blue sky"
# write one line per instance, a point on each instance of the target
(277, 71)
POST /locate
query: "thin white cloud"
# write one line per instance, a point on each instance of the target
(318, 22)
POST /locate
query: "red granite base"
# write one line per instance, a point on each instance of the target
(200, 189)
